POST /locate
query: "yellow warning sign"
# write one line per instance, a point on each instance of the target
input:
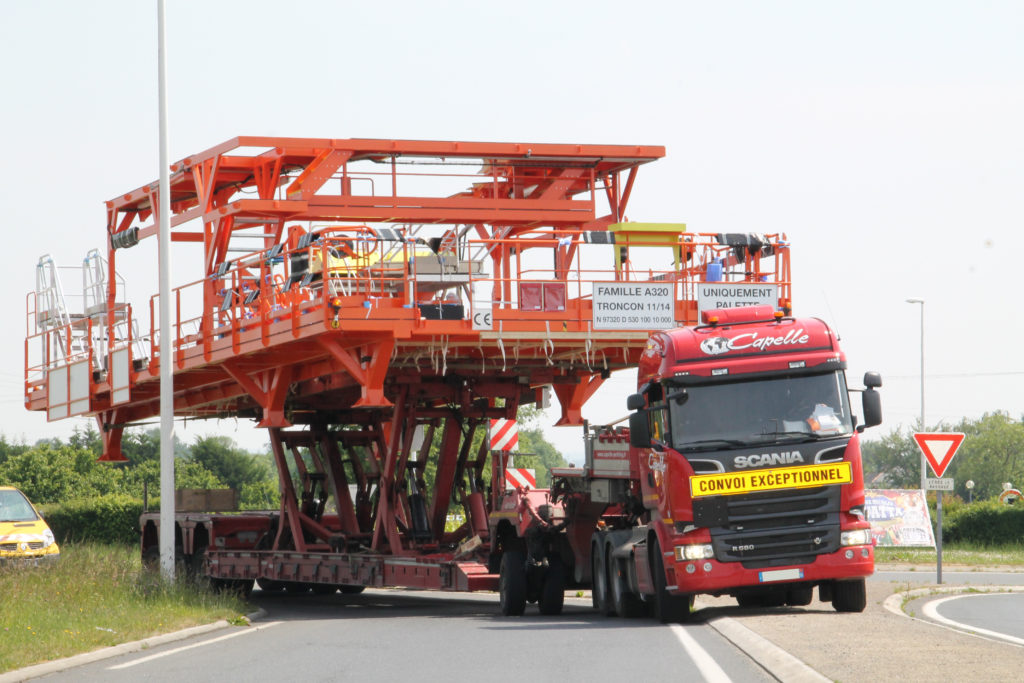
(732, 483)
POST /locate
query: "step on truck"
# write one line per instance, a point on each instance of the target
(739, 474)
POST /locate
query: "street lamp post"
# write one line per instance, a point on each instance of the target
(970, 491)
(924, 464)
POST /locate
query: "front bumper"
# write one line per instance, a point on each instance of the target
(712, 576)
(46, 558)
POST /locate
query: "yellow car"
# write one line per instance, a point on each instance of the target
(24, 536)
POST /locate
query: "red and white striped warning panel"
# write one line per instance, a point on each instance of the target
(504, 435)
(520, 476)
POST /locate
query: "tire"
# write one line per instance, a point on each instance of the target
(849, 596)
(800, 597)
(601, 595)
(512, 583)
(151, 558)
(349, 589)
(627, 605)
(552, 591)
(323, 588)
(668, 608)
(296, 587)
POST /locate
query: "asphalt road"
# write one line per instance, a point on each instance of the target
(405, 635)
(913, 629)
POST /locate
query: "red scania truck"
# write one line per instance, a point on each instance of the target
(740, 473)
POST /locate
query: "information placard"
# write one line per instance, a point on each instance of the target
(712, 295)
(634, 306)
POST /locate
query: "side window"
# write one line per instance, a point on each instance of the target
(658, 414)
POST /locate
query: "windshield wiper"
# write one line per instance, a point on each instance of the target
(799, 436)
(709, 444)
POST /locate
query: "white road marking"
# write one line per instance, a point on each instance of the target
(242, 632)
(708, 667)
(931, 610)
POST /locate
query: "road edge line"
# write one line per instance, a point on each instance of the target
(57, 665)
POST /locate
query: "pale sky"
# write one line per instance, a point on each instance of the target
(885, 138)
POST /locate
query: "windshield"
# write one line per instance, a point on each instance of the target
(14, 507)
(763, 411)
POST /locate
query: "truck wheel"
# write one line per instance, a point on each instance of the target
(849, 596)
(512, 583)
(349, 589)
(552, 592)
(323, 588)
(627, 605)
(599, 579)
(668, 608)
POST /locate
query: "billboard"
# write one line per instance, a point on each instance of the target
(899, 517)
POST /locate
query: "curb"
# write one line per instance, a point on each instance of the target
(773, 659)
(57, 665)
(894, 603)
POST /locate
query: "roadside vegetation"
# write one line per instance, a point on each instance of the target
(96, 596)
(967, 554)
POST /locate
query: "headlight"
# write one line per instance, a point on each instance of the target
(702, 551)
(856, 537)
(48, 538)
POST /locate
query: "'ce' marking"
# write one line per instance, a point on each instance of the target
(482, 319)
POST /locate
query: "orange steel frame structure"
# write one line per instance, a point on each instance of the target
(344, 326)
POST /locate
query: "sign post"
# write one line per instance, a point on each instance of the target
(938, 449)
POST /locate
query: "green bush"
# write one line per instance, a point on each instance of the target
(103, 519)
(988, 523)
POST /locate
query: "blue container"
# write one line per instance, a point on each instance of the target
(714, 273)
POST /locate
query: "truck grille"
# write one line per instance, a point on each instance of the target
(778, 527)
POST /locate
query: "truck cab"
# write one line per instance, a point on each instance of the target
(750, 460)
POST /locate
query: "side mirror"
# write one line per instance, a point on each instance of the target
(635, 401)
(872, 380)
(871, 403)
(639, 430)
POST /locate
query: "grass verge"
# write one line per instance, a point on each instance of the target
(978, 556)
(95, 596)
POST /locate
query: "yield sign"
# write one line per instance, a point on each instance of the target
(939, 448)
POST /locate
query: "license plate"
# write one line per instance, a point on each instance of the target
(781, 575)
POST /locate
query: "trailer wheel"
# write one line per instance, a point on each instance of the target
(849, 596)
(668, 608)
(349, 589)
(512, 583)
(323, 588)
(599, 583)
(552, 592)
(627, 605)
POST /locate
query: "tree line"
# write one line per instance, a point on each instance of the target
(991, 455)
(55, 470)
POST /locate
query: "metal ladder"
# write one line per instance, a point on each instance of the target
(94, 292)
(70, 340)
